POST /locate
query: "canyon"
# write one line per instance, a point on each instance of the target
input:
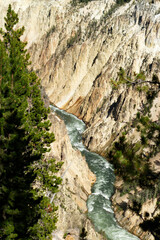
(76, 50)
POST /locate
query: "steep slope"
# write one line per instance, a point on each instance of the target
(77, 178)
(77, 49)
(75, 188)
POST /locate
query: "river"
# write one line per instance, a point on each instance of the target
(99, 205)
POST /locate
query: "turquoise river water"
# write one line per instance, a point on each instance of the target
(99, 205)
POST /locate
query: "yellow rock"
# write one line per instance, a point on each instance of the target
(69, 237)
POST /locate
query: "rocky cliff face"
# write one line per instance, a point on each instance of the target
(76, 50)
(75, 188)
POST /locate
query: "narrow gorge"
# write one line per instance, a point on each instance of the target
(99, 206)
(77, 49)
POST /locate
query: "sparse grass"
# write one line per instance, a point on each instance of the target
(92, 28)
(132, 161)
(50, 31)
(83, 2)
(115, 7)
(65, 235)
(73, 39)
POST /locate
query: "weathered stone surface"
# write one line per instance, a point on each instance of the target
(75, 188)
(129, 219)
(76, 51)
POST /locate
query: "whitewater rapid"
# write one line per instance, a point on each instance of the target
(99, 205)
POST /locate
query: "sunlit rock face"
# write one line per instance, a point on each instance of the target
(77, 180)
(77, 50)
(44, 29)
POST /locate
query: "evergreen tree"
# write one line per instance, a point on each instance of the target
(132, 159)
(25, 211)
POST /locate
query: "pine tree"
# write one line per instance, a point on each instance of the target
(25, 211)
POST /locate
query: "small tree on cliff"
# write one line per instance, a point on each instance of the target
(25, 212)
(132, 159)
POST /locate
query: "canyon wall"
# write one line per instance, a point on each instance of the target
(77, 180)
(76, 49)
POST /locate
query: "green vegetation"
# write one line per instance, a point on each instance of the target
(83, 2)
(132, 160)
(114, 7)
(92, 28)
(121, 2)
(65, 235)
(139, 81)
(129, 161)
(73, 39)
(26, 176)
(51, 30)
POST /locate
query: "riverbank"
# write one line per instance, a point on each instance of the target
(98, 203)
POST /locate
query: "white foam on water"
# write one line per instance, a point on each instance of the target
(102, 215)
(90, 207)
(102, 194)
(108, 209)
